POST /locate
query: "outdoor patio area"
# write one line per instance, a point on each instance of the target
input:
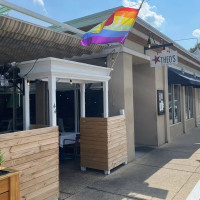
(172, 176)
(73, 180)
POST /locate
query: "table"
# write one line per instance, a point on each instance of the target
(70, 136)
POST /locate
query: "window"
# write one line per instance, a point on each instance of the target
(174, 104)
(189, 102)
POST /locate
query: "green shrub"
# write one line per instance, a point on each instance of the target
(1, 158)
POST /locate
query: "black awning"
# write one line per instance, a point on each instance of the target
(178, 77)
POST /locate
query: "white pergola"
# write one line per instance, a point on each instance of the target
(54, 70)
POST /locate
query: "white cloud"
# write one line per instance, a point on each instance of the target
(196, 33)
(41, 3)
(147, 12)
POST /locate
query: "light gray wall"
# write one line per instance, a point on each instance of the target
(161, 121)
(190, 123)
(121, 96)
(145, 105)
(176, 130)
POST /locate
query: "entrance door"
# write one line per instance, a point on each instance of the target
(68, 114)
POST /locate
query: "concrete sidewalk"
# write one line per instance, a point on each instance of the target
(169, 172)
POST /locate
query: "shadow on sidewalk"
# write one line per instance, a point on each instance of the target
(159, 173)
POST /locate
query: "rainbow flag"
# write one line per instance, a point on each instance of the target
(115, 29)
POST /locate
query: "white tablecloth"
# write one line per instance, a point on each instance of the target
(67, 135)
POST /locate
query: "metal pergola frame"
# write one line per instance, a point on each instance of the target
(43, 18)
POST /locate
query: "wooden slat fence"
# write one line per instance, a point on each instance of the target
(103, 142)
(36, 154)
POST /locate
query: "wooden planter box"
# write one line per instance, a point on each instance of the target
(103, 143)
(9, 186)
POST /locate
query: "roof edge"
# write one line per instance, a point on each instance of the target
(139, 21)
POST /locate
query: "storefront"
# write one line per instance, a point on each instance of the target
(183, 106)
(134, 85)
(120, 78)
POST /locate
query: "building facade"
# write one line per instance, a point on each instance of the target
(134, 85)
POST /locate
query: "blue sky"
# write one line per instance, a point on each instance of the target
(177, 19)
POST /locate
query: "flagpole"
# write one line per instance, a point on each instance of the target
(141, 4)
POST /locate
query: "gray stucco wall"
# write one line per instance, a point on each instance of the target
(145, 105)
(121, 96)
(176, 130)
(190, 123)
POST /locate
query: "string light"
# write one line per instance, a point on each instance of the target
(28, 83)
(113, 60)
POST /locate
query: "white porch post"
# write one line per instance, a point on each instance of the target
(196, 106)
(26, 99)
(105, 99)
(76, 108)
(52, 100)
(82, 92)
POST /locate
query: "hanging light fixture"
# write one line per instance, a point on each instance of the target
(149, 43)
(113, 59)
(70, 82)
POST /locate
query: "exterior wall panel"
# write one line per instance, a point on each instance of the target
(190, 123)
(121, 96)
(176, 130)
(145, 105)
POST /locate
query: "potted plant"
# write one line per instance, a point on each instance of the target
(1, 160)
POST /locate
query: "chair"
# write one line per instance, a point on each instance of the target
(72, 149)
(77, 146)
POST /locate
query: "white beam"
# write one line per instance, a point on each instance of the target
(40, 17)
(26, 111)
(196, 107)
(76, 108)
(82, 91)
(52, 100)
(105, 99)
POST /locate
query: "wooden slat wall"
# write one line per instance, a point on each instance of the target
(36, 154)
(103, 142)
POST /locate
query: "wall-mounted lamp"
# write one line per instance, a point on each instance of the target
(149, 43)
(70, 82)
(155, 46)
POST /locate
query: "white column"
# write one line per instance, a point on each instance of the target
(105, 99)
(82, 93)
(166, 90)
(52, 100)
(26, 99)
(75, 108)
(196, 106)
(183, 109)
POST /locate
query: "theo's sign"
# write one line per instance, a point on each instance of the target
(163, 59)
